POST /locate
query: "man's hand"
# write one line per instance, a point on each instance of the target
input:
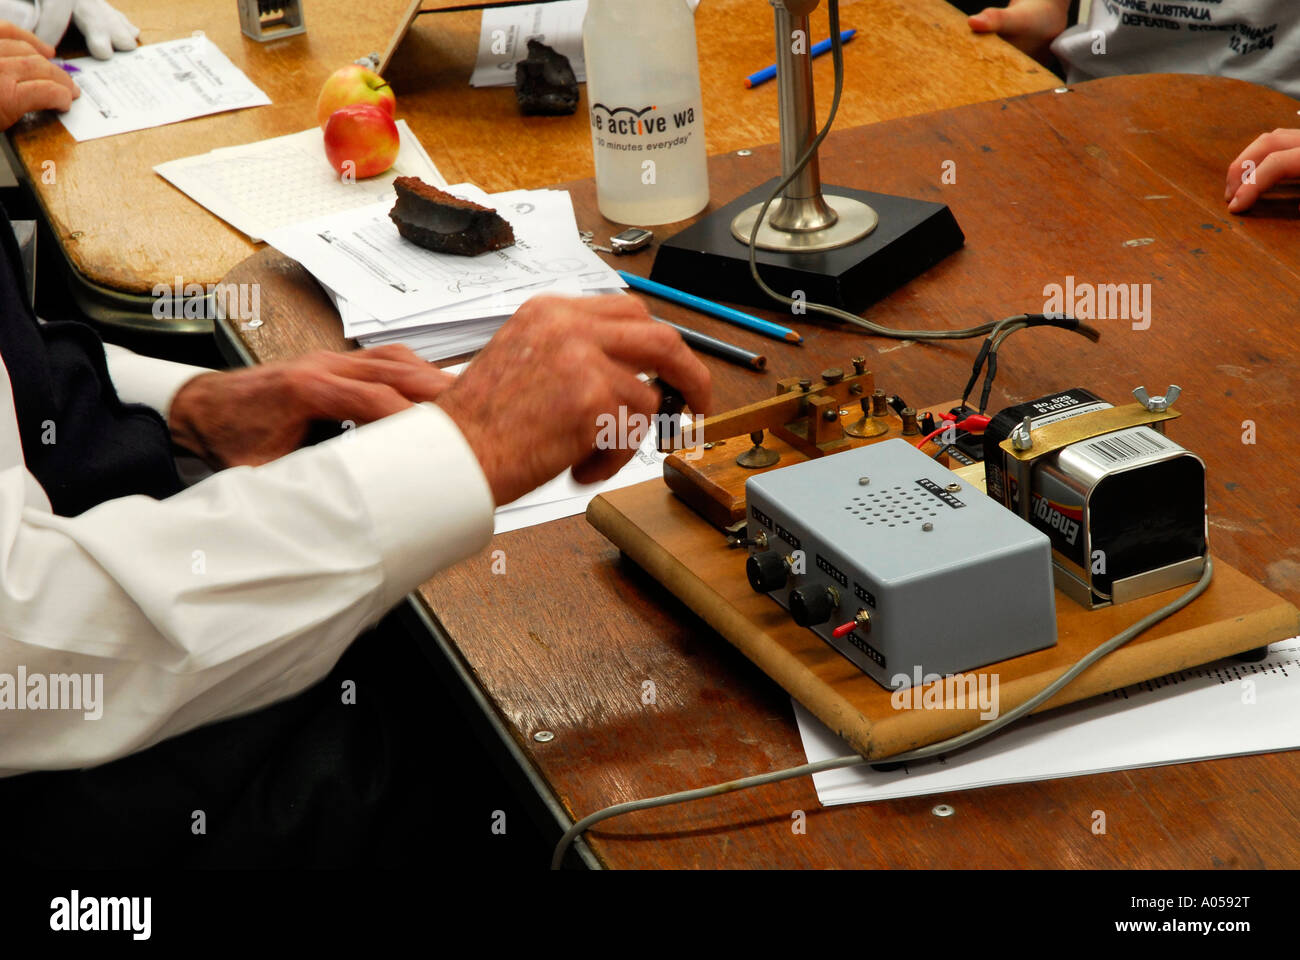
(28, 81)
(1270, 159)
(1028, 25)
(249, 417)
(531, 402)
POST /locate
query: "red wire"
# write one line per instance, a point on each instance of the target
(976, 421)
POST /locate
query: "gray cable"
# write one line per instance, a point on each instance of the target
(943, 746)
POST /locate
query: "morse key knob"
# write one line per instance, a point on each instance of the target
(767, 571)
(812, 605)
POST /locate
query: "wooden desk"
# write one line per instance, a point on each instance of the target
(1048, 185)
(124, 228)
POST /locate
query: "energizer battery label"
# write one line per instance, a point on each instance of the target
(941, 493)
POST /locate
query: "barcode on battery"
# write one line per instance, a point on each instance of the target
(1115, 449)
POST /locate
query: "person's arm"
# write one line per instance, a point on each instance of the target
(1270, 159)
(235, 593)
(246, 587)
(1028, 25)
(147, 380)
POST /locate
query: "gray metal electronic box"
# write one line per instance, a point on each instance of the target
(899, 564)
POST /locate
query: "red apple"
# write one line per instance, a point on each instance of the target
(353, 84)
(363, 136)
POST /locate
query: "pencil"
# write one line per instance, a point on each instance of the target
(731, 315)
(767, 73)
(719, 348)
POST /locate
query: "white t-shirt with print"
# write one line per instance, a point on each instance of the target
(1255, 40)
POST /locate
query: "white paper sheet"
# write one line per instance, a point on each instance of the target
(1222, 709)
(505, 32)
(156, 84)
(259, 187)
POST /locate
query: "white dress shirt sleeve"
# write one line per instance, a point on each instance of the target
(147, 380)
(239, 591)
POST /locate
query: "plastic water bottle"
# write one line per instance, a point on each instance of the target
(647, 123)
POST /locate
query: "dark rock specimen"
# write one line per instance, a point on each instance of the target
(438, 221)
(544, 82)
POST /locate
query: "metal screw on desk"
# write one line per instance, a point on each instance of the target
(254, 324)
(543, 736)
(1061, 90)
(943, 810)
(744, 153)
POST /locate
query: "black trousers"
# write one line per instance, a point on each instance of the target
(388, 781)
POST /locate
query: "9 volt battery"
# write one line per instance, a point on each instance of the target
(1125, 511)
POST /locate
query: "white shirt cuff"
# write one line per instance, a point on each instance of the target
(430, 504)
(147, 380)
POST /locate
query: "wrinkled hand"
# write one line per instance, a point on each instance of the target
(249, 417)
(28, 81)
(104, 28)
(531, 403)
(1028, 25)
(1270, 159)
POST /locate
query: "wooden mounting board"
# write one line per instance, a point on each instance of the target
(690, 557)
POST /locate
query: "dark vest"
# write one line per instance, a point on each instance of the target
(101, 448)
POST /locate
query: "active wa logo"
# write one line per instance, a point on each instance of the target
(646, 122)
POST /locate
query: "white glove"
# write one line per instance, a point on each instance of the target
(52, 18)
(104, 27)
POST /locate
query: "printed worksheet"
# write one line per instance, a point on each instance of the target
(257, 187)
(1222, 709)
(153, 85)
(503, 39)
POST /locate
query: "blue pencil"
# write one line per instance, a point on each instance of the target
(767, 73)
(739, 318)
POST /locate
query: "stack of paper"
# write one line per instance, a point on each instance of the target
(389, 290)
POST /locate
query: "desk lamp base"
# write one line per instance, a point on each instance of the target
(910, 237)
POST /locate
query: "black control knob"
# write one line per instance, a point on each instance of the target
(811, 605)
(767, 571)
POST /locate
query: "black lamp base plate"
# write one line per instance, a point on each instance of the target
(912, 236)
